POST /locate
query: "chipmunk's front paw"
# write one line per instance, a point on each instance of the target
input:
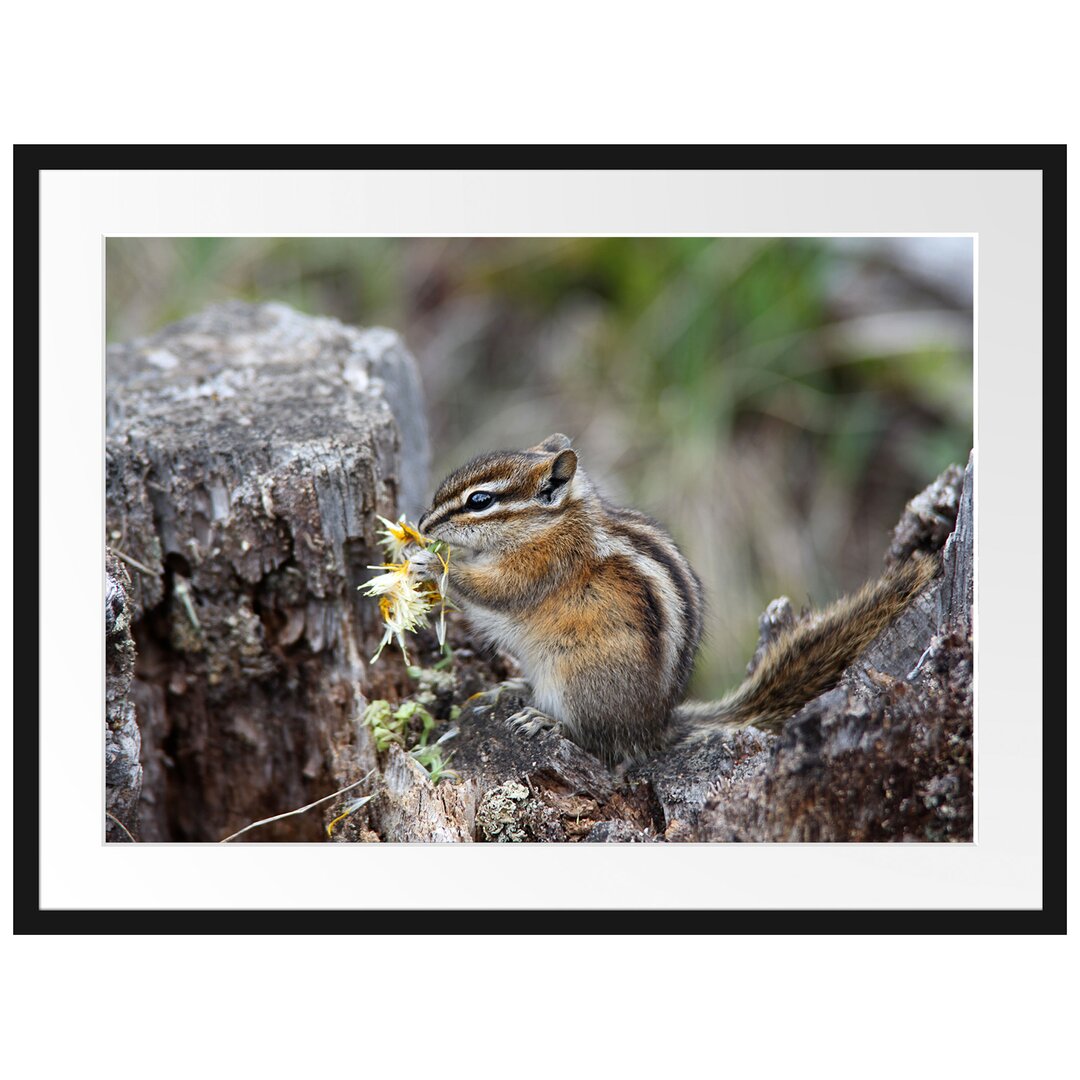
(529, 721)
(425, 564)
(485, 701)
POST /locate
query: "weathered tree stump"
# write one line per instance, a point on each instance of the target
(248, 451)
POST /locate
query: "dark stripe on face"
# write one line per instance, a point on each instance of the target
(431, 520)
(479, 518)
(528, 475)
(497, 467)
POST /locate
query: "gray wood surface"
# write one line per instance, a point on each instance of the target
(248, 450)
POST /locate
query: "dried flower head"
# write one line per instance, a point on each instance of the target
(398, 537)
(404, 599)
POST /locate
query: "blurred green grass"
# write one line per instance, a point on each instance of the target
(774, 401)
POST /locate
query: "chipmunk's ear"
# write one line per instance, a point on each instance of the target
(551, 444)
(560, 473)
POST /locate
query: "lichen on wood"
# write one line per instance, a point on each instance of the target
(123, 772)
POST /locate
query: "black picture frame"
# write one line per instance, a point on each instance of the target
(31, 160)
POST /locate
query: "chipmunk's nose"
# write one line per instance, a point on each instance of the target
(420, 523)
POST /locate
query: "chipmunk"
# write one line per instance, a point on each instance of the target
(604, 613)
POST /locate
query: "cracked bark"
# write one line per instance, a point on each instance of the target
(248, 450)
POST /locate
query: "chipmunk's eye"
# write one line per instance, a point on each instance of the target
(479, 499)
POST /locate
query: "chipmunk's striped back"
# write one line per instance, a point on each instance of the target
(669, 580)
(604, 613)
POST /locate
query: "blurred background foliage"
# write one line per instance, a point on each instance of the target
(774, 401)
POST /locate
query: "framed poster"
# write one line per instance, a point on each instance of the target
(771, 349)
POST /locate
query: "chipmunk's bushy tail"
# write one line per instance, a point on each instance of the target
(809, 659)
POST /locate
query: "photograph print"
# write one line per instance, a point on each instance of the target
(539, 539)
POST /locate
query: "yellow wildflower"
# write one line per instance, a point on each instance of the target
(404, 600)
(398, 537)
